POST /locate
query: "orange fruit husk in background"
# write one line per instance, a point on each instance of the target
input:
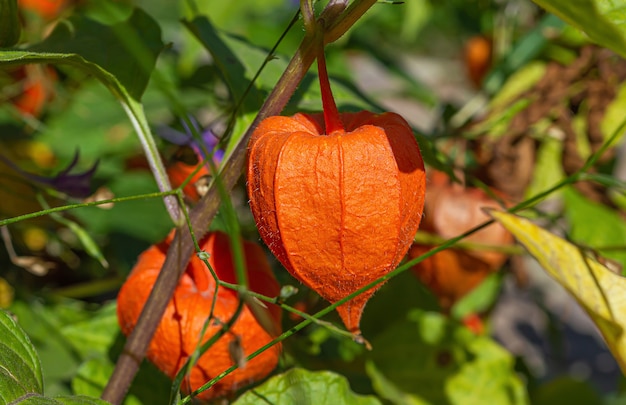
(37, 88)
(179, 170)
(338, 210)
(450, 274)
(474, 323)
(477, 54)
(451, 210)
(177, 336)
(47, 9)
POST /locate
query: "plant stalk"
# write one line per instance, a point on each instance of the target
(332, 119)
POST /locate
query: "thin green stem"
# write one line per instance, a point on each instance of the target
(338, 25)
(275, 301)
(424, 238)
(135, 113)
(89, 289)
(308, 16)
(68, 207)
(268, 58)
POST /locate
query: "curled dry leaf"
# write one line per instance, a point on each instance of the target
(102, 193)
(34, 265)
(177, 336)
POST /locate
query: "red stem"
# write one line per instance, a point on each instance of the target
(332, 120)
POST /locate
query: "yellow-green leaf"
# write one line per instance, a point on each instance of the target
(602, 20)
(597, 289)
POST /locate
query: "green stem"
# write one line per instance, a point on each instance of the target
(89, 289)
(425, 238)
(134, 111)
(338, 26)
(308, 16)
(68, 207)
(275, 301)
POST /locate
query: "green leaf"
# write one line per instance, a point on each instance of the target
(150, 386)
(600, 292)
(20, 370)
(507, 103)
(386, 389)
(94, 335)
(430, 359)
(596, 226)
(10, 25)
(299, 387)
(80, 400)
(105, 133)
(148, 220)
(614, 115)
(44, 323)
(393, 302)
(566, 390)
(91, 378)
(603, 20)
(480, 298)
(87, 242)
(232, 70)
(548, 168)
(61, 400)
(121, 54)
(520, 82)
(524, 51)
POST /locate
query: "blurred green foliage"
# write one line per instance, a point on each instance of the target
(205, 56)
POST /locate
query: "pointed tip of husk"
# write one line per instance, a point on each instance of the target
(350, 313)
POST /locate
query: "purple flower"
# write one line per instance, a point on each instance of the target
(207, 142)
(75, 185)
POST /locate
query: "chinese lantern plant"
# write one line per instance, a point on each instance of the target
(188, 165)
(336, 197)
(45, 9)
(34, 88)
(177, 335)
(451, 210)
(477, 55)
(183, 165)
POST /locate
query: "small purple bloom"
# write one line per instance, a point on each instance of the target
(75, 185)
(186, 138)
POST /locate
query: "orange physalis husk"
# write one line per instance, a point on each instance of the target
(451, 210)
(337, 197)
(178, 334)
(338, 210)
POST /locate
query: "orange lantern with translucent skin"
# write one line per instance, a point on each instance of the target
(337, 197)
(177, 335)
